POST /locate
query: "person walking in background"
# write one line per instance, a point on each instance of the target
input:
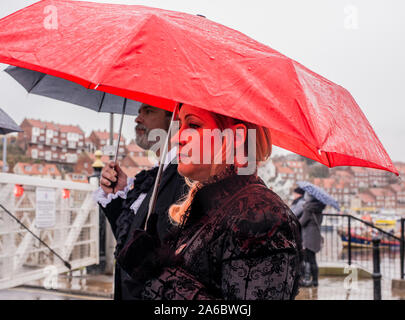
(125, 203)
(297, 206)
(311, 220)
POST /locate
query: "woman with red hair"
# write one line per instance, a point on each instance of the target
(235, 238)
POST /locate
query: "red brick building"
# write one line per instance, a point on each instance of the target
(368, 178)
(51, 142)
(134, 150)
(292, 170)
(37, 169)
(99, 139)
(384, 197)
(399, 190)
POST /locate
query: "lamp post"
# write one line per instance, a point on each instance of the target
(95, 179)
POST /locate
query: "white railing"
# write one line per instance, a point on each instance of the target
(74, 234)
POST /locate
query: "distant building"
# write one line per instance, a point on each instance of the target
(292, 169)
(85, 161)
(51, 142)
(37, 169)
(368, 177)
(399, 190)
(90, 147)
(76, 177)
(384, 197)
(141, 162)
(98, 140)
(363, 200)
(134, 150)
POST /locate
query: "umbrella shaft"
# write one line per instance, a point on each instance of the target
(120, 130)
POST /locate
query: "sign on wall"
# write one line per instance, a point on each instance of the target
(45, 216)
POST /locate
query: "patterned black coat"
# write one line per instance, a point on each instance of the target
(241, 241)
(123, 221)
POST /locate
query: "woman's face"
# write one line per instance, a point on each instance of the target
(196, 150)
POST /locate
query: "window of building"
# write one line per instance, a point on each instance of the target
(49, 133)
(34, 153)
(71, 136)
(35, 131)
(71, 157)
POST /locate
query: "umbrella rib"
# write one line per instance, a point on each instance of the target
(37, 82)
(101, 103)
(327, 157)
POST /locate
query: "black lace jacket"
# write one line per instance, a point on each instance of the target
(241, 241)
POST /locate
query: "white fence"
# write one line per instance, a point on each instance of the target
(72, 231)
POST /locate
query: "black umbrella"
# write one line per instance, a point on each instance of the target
(64, 90)
(7, 125)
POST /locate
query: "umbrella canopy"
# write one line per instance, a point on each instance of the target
(7, 124)
(64, 90)
(163, 57)
(319, 194)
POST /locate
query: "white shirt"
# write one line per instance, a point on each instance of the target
(104, 199)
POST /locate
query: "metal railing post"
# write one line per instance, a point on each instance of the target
(402, 247)
(349, 240)
(376, 269)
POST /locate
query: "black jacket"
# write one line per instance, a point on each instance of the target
(172, 188)
(311, 220)
(240, 242)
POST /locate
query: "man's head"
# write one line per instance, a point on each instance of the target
(150, 118)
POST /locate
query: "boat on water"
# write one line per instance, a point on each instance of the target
(362, 235)
(362, 241)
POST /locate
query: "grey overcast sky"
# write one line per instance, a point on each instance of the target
(358, 44)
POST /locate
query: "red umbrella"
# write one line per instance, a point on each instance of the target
(163, 57)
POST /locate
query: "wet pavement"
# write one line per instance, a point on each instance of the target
(100, 287)
(339, 288)
(29, 293)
